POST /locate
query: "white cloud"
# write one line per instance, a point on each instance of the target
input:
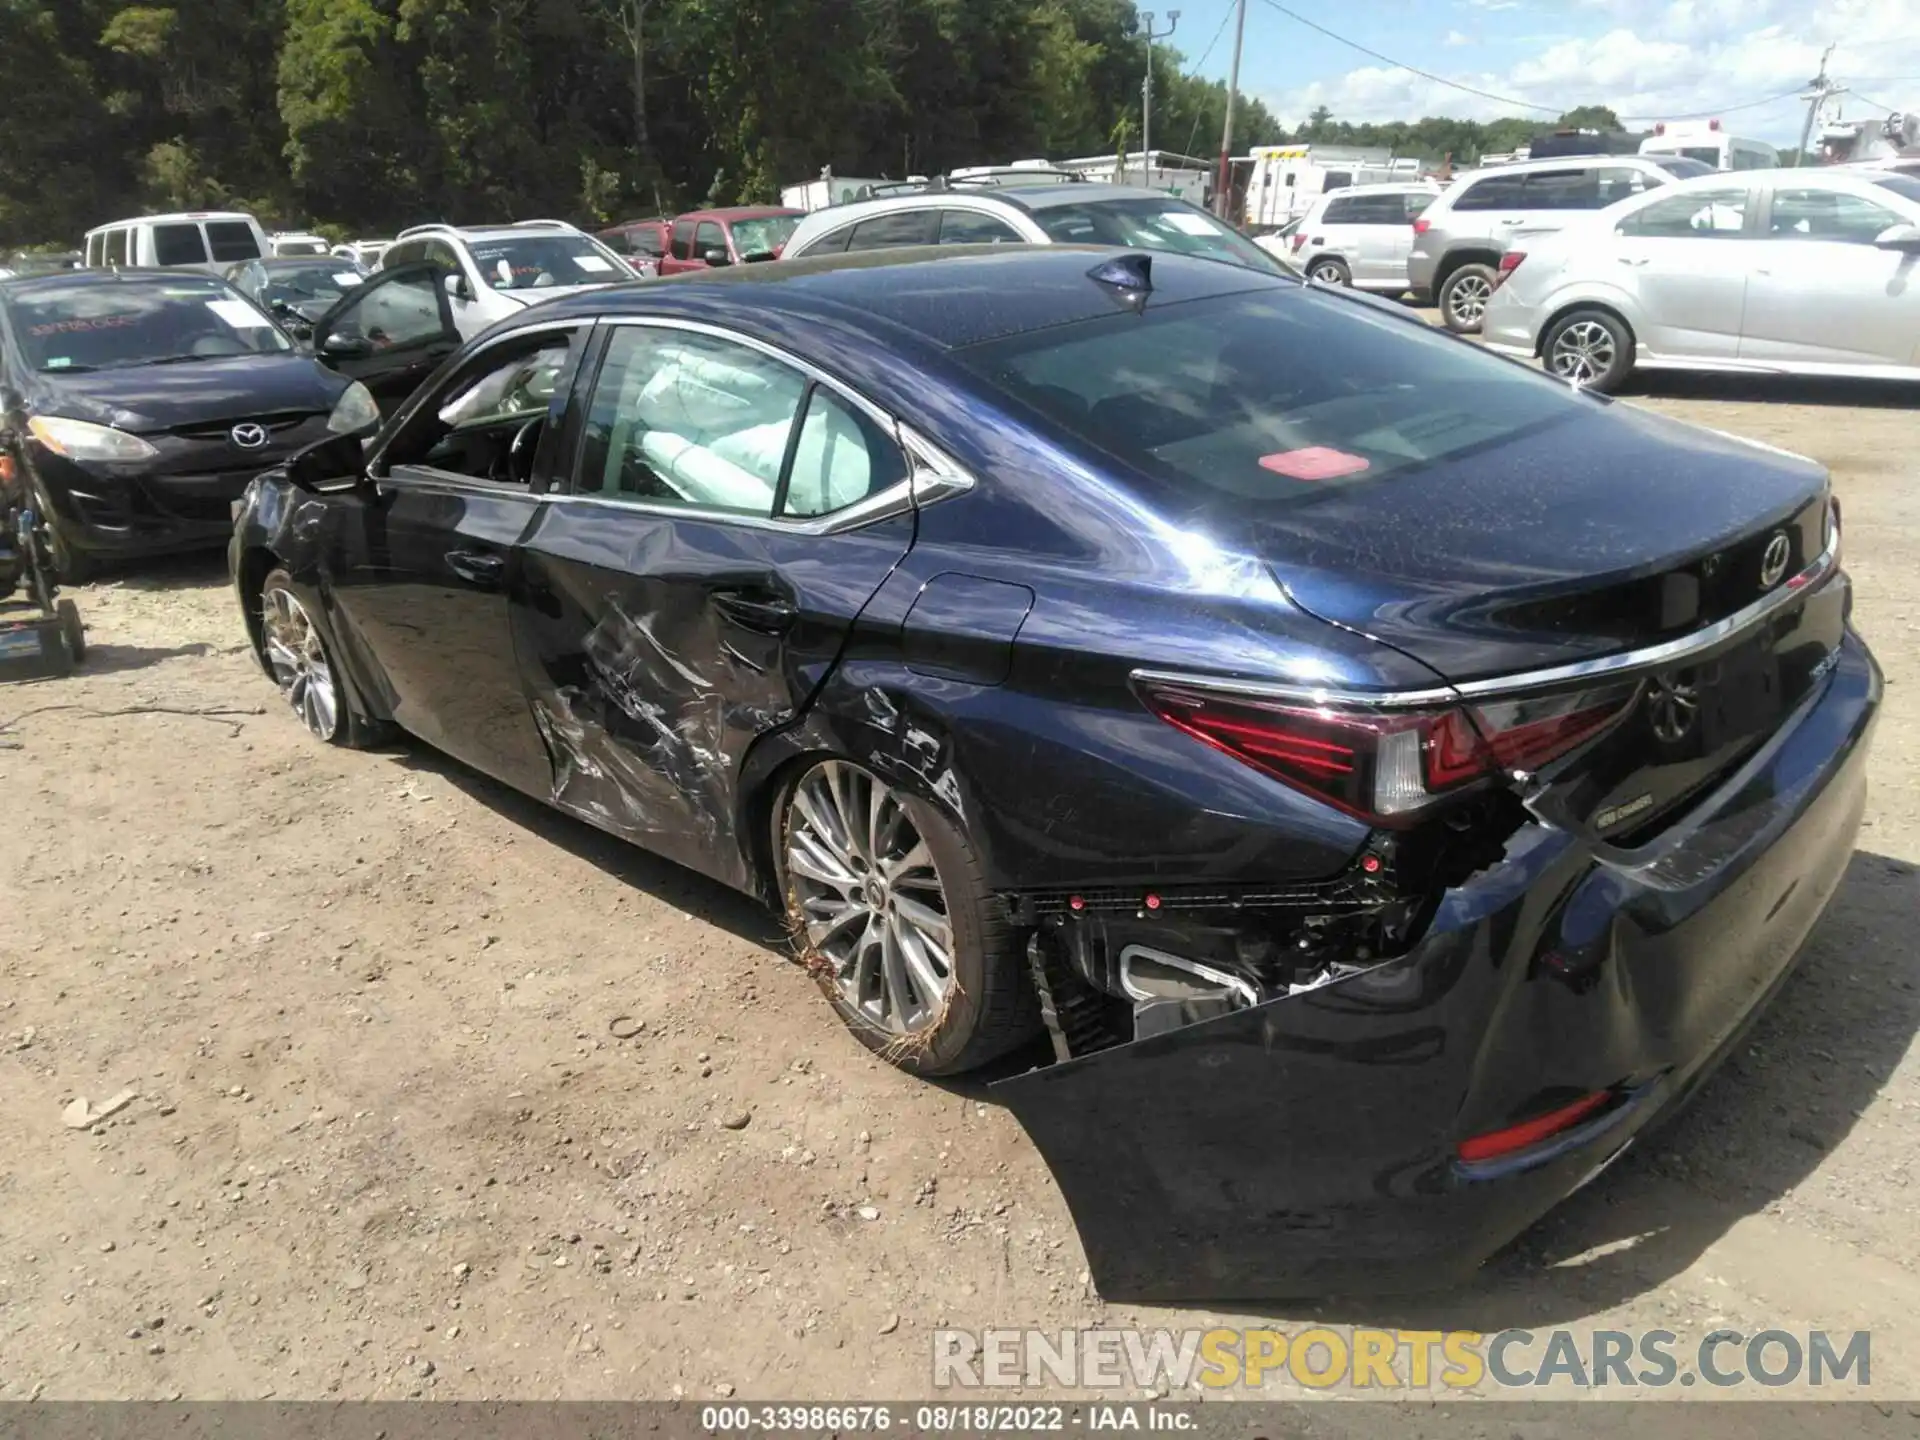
(1658, 58)
(1455, 40)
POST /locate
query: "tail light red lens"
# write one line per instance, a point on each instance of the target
(1420, 227)
(1299, 238)
(1387, 766)
(1509, 262)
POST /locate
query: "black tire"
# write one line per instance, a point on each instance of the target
(69, 565)
(1590, 348)
(1328, 270)
(349, 728)
(991, 1008)
(1462, 298)
(71, 630)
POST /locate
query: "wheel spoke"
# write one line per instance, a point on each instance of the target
(809, 855)
(927, 921)
(898, 1001)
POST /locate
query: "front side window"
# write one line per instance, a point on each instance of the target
(688, 420)
(117, 247)
(885, 232)
(683, 239)
(708, 238)
(1719, 214)
(395, 313)
(178, 244)
(472, 427)
(70, 327)
(968, 227)
(232, 240)
(1561, 190)
(1167, 225)
(1801, 214)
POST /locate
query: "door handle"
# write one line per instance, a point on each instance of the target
(1513, 222)
(478, 567)
(755, 610)
(1631, 260)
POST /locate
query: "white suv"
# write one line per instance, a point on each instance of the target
(496, 271)
(1361, 237)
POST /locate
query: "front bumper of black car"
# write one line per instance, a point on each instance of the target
(1313, 1145)
(180, 499)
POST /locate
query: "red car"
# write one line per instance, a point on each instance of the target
(641, 243)
(703, 238)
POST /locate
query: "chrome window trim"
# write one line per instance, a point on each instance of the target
(1668, 652)
(934, 474)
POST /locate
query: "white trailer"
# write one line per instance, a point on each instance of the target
(1287, 179)
(1185, 176)
(1707, 142)
(829, 189)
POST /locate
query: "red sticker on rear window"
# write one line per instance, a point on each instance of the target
(1314, 462)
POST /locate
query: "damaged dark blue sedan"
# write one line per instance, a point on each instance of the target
(1386, 778)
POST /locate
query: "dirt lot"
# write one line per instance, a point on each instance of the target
(385, 1143)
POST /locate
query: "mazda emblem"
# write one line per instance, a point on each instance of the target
(1671, 707)
(248, 436)
(1773, 565)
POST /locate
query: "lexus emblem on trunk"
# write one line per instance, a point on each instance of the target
(1773, 565)
(252, 437)
(1671, 707)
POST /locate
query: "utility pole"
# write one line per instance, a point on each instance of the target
(1146, 88)
(1818, 93)
(1223, 186)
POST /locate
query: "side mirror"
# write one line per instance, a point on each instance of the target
(716, 257)
(457, 287)
(1904, 238)
(345, 347)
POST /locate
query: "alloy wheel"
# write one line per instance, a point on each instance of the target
(864, 884)
(1467, 300)
(1582, 352)
(1327, 275)
(299, 662)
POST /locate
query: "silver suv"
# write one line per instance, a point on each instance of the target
(1361, 237)
(1458, 242)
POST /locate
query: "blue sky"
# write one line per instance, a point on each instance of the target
(1645, 58)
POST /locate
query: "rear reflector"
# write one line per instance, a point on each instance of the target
(1496, 1143)
(1386, 766)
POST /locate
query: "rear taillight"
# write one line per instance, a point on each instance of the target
(1387, 766)
(1509, 262)
(1299, 238)
(1420, 227)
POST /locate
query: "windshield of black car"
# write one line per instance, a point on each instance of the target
(85, 324)
(1684, 167)
(1152, 225)
(303, 285)
(1270, 397)
(538, 262)
(764, 235)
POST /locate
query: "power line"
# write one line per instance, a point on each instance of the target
(1507, 99)
(1890, 109)
(1199, 65)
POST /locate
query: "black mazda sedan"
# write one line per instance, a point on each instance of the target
(1386, 778)
(140, 403)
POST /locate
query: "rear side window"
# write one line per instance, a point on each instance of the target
(682, 240)
(884, 232)
(178, 245)
(1367, 210)
(1231, 405)
(1415, 206)
(1495, 192)
(965, 227)
(1338, 212)
(96, 249)
(232, 240)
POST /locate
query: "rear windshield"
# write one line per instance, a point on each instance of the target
(232, 240)
(539, 262)
(1683, 167)
(1152, 225)
(322, 282)
(1270, 398)
(77, 326)
(1905, 186)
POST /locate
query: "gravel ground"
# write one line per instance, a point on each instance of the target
(384, 1142)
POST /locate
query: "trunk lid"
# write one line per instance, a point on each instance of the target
(1559, 550)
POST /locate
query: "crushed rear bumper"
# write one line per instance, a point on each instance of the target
(1308, 1145)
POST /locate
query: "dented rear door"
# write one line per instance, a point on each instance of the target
(662, 632)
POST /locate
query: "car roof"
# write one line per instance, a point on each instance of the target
(1558, 162)
(22, 284)
(175, 217)
(947, 296)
